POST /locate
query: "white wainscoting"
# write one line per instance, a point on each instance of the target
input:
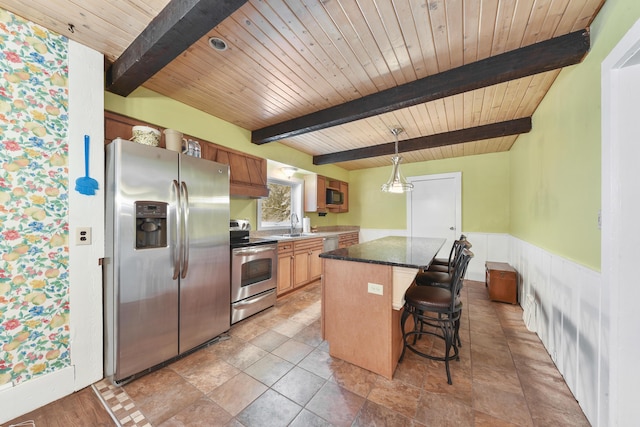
(570, 316)
(567, 309)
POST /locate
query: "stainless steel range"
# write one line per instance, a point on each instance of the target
(253, 272)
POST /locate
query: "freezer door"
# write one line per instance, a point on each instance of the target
(141, 299)
(205, 302)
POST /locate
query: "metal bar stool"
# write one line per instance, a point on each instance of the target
(448, 261)
(439, 275)
(446, 266)
(437, 307)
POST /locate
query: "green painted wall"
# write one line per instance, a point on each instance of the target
(555, 169)
(157, 109)
(485, 193)
(485, 205)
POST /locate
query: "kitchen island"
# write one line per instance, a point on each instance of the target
(363, 290)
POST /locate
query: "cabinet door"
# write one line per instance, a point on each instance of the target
(301, 268)
(315, 264)
(285, 272)
(322, 194)
(344, 189)
(208, 151)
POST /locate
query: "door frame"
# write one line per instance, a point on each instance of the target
(457, 177)
(617, 381)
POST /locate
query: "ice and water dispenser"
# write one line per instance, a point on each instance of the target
(151, 224)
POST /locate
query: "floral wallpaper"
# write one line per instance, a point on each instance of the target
(34, 183)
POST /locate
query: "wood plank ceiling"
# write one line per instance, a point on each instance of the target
(290, 58)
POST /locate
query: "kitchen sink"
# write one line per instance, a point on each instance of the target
(285, 235)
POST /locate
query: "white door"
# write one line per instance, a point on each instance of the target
(434, 208)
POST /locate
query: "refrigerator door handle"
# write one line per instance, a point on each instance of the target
(176, 237)
(185, 235)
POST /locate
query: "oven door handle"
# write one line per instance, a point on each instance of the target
(245, 251)
(254, 299)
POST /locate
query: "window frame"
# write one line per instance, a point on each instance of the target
(297, 204)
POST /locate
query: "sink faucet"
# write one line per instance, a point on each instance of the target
(294, 222)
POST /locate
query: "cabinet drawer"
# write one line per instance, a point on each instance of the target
(348, 239)
(307, 245)
(285, 248)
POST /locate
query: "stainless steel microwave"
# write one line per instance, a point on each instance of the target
(334, 197)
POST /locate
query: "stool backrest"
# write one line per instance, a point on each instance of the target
(458, 274)
(456, 252)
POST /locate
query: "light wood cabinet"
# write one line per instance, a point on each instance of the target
(308, 266)
(285, 267)
(342, 187)
(315, 194)
(348, 239)
(299, 263)
(248, 173)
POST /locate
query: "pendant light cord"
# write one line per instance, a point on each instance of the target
(396, 132)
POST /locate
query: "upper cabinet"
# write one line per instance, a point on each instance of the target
(314, 193)
(342, 188)
(317, 190)
(248, 173)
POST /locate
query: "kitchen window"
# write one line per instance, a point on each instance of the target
(285, 198)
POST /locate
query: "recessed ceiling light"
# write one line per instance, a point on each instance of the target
(217, 43)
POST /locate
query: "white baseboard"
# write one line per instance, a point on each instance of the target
(30, 395)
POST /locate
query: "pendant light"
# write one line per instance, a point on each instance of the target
(396, 183)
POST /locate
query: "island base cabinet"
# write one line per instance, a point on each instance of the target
(360, 326)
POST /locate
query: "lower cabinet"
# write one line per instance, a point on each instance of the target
(348, 239)
(308, 265)
(285, 267)
(298, 263)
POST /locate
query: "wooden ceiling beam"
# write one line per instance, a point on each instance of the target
(537, 58)
(179, 25)
(494, 130)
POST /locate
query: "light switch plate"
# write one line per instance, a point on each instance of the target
(374, 288)
(83, 236)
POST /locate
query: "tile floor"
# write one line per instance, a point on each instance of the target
(275, 370)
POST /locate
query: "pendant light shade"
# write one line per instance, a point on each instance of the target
(396, 182)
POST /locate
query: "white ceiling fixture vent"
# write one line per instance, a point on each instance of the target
(218, 44)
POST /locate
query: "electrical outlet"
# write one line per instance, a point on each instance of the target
(374, 288)
(83, 236)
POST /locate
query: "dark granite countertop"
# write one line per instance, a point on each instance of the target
(411, 252)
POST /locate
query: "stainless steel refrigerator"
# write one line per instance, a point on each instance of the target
(166, 270)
